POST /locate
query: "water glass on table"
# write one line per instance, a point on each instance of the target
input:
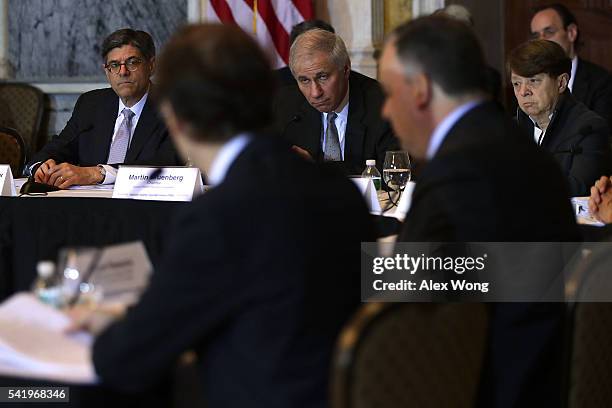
(396, 172)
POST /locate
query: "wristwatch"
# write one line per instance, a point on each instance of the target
(102, 171)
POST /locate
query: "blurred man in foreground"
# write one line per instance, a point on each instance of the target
(262, 270)
(576, 136)
(477, 166)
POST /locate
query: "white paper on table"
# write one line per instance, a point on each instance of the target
(403, 206)
(163, 184)
(582, 213)
(33, 343)
(92, 187)
(368, 191)
(7, 185)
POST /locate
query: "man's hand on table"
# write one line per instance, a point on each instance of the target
(93, 319)
(302, 152)
(600, 202)
(64, 175)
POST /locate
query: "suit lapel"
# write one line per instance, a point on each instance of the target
(355, 128)
(581, 82)
(312, 125)
(144, 129)
(104, 127)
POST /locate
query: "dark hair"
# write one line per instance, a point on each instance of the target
(537, 57)
(446, 50)
(126, 36)
(306, 25)
(217, 79)
(567, 17)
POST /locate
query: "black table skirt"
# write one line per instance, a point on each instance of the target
(33, 229)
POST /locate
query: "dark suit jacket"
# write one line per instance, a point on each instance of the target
(260, 274)
(284, 76)
(578, 139)
(86, 139)
(593, 87)
(367, 136)
(489, 182)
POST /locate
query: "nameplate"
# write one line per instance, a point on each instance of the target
(161, 184)
(369, 193)
(6, 181)
(120, 273)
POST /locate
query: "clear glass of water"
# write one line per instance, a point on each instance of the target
(397, 170)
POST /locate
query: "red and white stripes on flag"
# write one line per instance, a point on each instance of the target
(270, 21)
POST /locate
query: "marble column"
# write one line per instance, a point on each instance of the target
(361, 24)
(5, 67)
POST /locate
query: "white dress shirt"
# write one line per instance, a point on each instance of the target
(226, 157)
(570, 84)
(111, 172)
(341, 121)
(539, 134)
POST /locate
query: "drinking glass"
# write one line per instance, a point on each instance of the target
(396, 170)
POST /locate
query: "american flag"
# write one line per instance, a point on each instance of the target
(270, 21)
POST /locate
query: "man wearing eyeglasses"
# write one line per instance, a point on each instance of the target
(117, 125)
(589, 83)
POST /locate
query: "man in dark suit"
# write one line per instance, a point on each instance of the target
(479, 176)
(110, 126)
(263, 269)
(334, 113)
(589, 83)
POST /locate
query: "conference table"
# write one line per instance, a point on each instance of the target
(36, 228)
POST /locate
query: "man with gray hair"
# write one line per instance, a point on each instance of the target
(333, 114)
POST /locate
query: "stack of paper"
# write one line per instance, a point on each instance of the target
(33, 343)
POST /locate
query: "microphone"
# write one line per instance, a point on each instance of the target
(33, 187)
(575, 148)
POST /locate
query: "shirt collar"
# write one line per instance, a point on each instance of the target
(440, 132)
(137, 108)
(535, 124)
(225, 158)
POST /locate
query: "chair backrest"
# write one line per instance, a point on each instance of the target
(12, 150)
(589, 358)
(22, 109)
(402, 355)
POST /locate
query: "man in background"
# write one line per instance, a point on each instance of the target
(117, 125)
(284, 74)
(589, 83)
(333, 115)
(477, 165)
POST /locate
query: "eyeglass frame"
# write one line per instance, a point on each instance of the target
(132, 60)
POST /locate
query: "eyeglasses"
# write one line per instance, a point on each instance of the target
(131, 64)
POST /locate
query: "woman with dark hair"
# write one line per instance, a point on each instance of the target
(574, 135)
